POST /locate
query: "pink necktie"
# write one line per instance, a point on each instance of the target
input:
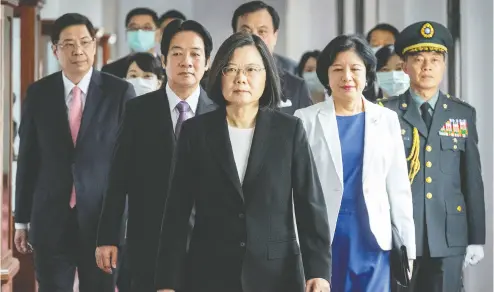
(75, 116)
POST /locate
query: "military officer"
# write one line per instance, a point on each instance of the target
(440, 138)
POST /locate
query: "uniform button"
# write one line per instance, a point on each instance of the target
(455, 140)
(455, 147)
(428, 164)
(428, 196)
(242, 244)
(459, 208)
(241, 215)
(428, 148)
(428, 179)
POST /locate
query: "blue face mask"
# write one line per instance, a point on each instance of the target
(394, 82)
(141, 40)
(313, 82)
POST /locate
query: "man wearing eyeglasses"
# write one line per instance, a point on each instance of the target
(68, 130)
(261, 19)
(143, 34)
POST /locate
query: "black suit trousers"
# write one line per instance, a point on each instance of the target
(56, 267)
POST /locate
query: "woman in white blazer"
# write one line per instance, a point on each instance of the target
(361, 163)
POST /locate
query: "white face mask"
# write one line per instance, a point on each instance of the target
(143, 86)
(394, 82)
(375, 49)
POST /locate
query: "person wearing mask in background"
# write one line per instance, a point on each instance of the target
(143, 156)
(145, 73)
(380, 35)
(441, 142)
(259, 18)
(390, 76)
(307, 69)
(361, 162)
(142, 36)
(67, 134)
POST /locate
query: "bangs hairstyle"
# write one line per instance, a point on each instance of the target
(341, 44)
(271, 95)
(147, 63)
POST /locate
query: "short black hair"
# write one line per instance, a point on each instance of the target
(141, 11)
(175, 14)
(70, 19)
(147, 63)
(386, 27)
(383, 55)
(254, 6)
(341, 44)
(305, 57)
(271, 96)
(177, 26)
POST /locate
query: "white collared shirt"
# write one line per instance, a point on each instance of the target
(173, 100)
(83, 85)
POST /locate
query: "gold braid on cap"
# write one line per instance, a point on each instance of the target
(414, 156)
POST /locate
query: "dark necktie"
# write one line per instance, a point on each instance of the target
(426, 115)
(183, 108)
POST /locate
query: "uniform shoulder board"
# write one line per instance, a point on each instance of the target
(458, 100)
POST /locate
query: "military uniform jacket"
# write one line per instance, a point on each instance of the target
(448, 192)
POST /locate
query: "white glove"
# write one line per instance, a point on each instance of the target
(475, 253)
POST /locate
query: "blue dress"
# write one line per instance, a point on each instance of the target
(359, 264)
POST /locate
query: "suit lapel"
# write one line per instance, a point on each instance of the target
(61, 109)
(205, 104)
(260, 143)
(221, 147)
(327, 122)
(372, 119)
(93, 100)
(412, 115)
(163, 116)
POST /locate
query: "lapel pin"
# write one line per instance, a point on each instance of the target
(404, 105)
(403, 131)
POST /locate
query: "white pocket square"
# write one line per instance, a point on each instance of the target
(286, 103)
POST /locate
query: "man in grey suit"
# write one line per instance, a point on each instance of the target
(440, 138)
(258, 18)
(68, 130)
(285, 63)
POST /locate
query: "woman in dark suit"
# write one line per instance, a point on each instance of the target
(239, 166)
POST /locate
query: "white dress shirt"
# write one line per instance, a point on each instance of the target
(241, 140)
(68, 86)
(173, 100)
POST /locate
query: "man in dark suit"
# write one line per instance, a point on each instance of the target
(285, 63)
(440, 138)
(143, 34)
(258, 18)
(68, 131)
(143, 155)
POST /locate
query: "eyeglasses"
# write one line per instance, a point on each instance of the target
(71, 46)
(249, 71)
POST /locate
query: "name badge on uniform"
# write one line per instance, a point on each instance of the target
(454, 128)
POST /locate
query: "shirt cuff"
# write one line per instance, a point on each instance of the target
(21, 226)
